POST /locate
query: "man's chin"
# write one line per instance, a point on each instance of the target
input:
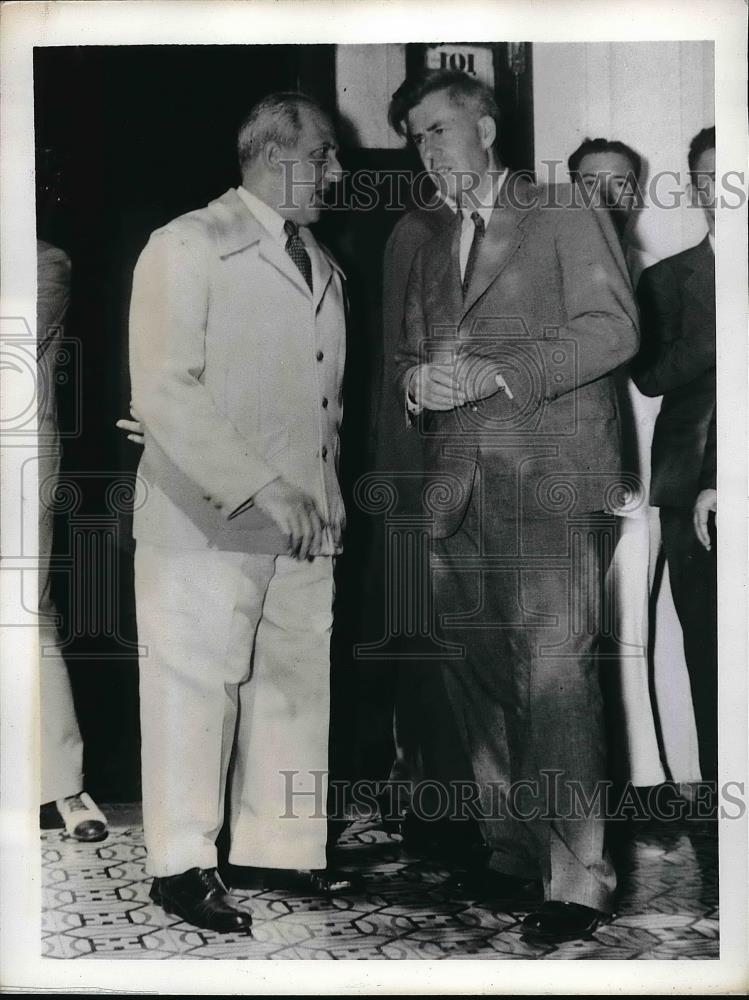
(445, 185)
(311, 214)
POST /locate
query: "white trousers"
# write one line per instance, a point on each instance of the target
(62, 746)
(234, 685)
(630, 584)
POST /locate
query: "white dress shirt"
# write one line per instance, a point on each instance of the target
(270, 219)
(468, 227)
(267, 217)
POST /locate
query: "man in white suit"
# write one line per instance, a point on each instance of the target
(237, 341)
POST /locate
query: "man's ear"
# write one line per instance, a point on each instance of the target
(272, 156)
(487, 131)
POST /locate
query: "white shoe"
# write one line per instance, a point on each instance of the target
(82, 817)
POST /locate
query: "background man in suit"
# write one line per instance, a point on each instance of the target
(515, 317)
(63, 800)
(612, 172)
(677, 360)
(237, 351)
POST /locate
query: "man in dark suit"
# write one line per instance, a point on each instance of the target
(677, 360)
(426, 739)
(515, 317)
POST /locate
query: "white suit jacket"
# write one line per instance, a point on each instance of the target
(236, 373)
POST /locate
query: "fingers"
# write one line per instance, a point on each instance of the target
(339, 526)
(442, 375)
(315, 534)
(440, 400)
(440, 389)
(306, 530)
(134, 429)
(699, 519)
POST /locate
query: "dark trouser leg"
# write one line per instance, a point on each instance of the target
(527, 696)
(693, 575)
(566, 752)
(484, 689)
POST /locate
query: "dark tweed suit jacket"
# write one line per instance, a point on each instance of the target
(550, 300)
(677, 361)
(396, 449)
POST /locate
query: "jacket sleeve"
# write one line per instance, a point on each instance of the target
(668, 359)
(411, 348)
(52, 298)
(599, 306)
(410, 351)
(709, 471)
(52, 292)
(394, 283)
(168, 321)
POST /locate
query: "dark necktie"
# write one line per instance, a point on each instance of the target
(478, 234)
(296, 249)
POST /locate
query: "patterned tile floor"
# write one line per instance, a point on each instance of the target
(96, 905)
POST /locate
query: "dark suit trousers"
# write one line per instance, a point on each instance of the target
(526, 690)
(693, 576)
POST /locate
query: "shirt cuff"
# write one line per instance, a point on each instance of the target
(412, 407)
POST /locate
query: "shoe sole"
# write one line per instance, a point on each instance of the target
(550, 937)
(156, 897)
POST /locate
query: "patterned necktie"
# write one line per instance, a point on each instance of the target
(296, 249)
(479, 229)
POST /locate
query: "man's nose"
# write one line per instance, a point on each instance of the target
(430, 153)
(333, 169)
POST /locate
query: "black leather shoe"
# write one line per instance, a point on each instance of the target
(200, 898)
(559, 921)
(322, 882)
(485, 883)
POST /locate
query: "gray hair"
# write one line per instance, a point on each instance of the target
(275, 118)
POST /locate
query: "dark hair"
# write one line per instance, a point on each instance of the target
(462, 89)
(275, 118)
(589, 146)
(704, 140)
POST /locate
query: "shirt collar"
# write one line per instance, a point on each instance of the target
(485, 211)
(711, 238)
(267, 217)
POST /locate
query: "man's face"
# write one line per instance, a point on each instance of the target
(450, 142)
(311, 168)
(703, 183)
(617, 185)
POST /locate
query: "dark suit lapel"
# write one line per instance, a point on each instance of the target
(504, 235)
(444, 289)
(699, 283)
